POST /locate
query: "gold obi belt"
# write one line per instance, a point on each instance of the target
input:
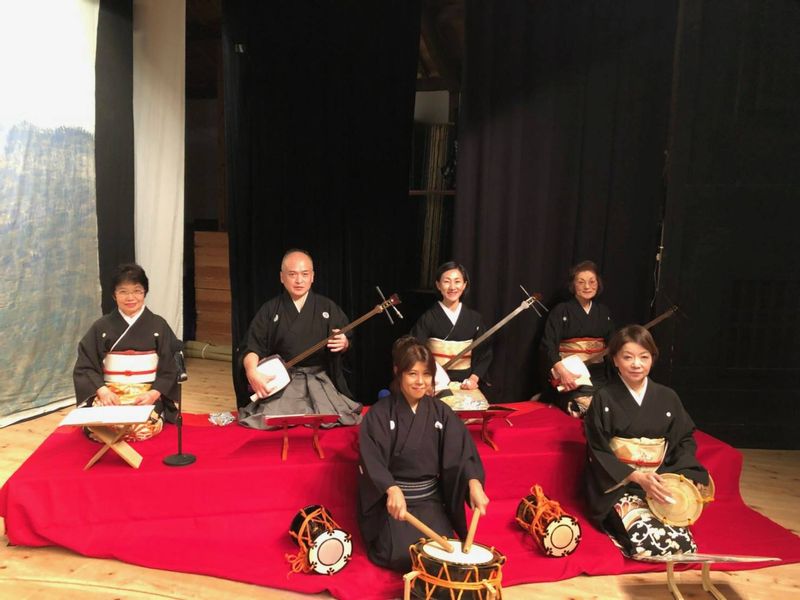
(643, 454)
(444, 350)
(587, 349)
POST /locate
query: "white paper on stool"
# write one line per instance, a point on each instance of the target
(109, 415)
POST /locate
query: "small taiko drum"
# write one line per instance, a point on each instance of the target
(556, 533)
(324, 547)
(689, 500)
(442, 575)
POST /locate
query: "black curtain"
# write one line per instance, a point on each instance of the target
(114, 140)
(319, 103)
(563, 127)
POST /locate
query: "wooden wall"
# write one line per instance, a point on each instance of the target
(212, 287)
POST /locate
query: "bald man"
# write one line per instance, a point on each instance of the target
(288, 325)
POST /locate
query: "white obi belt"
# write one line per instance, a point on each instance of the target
(587, 349)
(642, 454)
(130, 366)
(445, 350)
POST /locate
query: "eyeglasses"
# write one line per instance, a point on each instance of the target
(129, 293)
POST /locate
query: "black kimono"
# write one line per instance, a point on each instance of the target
(434, 323)
(429, 453)
(149, 332)
(568, 320)
(318, 384)
(614, 412)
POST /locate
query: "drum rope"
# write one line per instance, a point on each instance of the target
(544, 511)
(299, 562)
(443, 579)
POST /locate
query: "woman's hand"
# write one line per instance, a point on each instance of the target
(566, 378)
(396, 503)
(105, 397)
(653, 485)
(478, 499)
(471, 383)
(149, 397)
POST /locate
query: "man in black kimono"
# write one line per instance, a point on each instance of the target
(286, 326)
(128, 355)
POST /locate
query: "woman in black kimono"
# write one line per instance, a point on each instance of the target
(580, 326)
(629, 413)
(451, 322)
(416, 456)
(129, 355)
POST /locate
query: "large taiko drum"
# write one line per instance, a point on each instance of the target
(441, 575)
(556, 533)
(324, 547)
(689, 500)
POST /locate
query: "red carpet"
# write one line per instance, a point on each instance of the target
(228, 514)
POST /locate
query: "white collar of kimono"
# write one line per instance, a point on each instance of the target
(587, 308)
(452, 314)
(300, 302)
(638, 396)
(131, 320)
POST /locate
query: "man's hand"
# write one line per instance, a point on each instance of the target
(338, 343)
(259, 382)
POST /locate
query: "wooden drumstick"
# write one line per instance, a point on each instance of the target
(412, 520)
(473, 527)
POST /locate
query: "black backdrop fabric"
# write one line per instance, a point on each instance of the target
(114, 140)
(319, 101)
(563, 127)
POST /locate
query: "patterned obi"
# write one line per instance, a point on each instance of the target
(130, 367)
(444, 350)
(642, 454)
(419, 490)
(587, 349)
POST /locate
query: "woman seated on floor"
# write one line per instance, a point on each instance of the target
(416, 456)
(633, 410)
(128, 356)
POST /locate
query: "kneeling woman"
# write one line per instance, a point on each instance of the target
(630, 411)
(416, 456)
(128, 356)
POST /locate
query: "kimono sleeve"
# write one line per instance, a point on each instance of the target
(87, 376)
(256, 338)
(682, 455)
(421, 330)
(604, 467)
(553, 333)
(167, 371)
(482, 355)
(375, 441)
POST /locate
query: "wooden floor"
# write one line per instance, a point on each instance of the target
(770, 484)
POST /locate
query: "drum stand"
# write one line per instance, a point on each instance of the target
(180, 459)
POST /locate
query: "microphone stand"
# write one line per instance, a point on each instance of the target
(180, 459)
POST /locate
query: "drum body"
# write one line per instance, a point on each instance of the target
(557, 534)
(327, 547)
(455, 575)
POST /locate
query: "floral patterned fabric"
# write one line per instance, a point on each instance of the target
(639, 533)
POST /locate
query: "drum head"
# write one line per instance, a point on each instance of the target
(688, 502)
(477, 555)
(330, 552)
(562, 536)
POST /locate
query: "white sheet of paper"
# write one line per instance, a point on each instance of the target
(108, 415)
(577, 367)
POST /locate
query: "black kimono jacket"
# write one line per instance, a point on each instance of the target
(395, 443)
(149, 332)
(614, 412)
(279, 329)
(434, 323)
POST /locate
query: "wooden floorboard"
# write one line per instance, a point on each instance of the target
(770, 483)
